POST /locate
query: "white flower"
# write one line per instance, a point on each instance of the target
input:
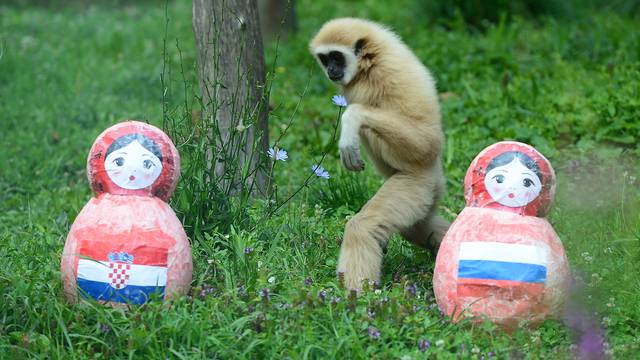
(440, 343)
(272, 279)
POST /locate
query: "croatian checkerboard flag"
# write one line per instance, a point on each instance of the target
(128, 275)
(484, 266)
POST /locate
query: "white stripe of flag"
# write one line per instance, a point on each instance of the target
(495, 251)
(139, 275)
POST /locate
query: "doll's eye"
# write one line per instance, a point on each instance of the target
(119, 161)
(148, 164)
(527, 182)
(499, 179)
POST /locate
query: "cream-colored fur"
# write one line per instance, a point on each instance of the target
(393, 112)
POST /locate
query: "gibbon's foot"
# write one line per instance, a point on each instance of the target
(427, 233)
(360, 256)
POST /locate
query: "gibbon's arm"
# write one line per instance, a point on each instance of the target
(405, 142)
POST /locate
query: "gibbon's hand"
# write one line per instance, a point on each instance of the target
(349, 142)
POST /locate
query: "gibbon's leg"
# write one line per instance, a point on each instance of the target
(402, 200)
(404, 143)
(427, 232)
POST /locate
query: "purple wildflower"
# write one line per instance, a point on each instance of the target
(265, 294)
(339, 100)
(105, 328)
(248, 250)
(320, 171)
(412, 289)
(397, 277)
(490, 354)
(308, 281)
(335, 300)
(277, 154)
(258, 323)
(423, 344)
(242, 291)
(206, 290)
(374, 333)
(371, 314)
(322, 294)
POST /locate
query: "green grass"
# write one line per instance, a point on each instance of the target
(568, 87)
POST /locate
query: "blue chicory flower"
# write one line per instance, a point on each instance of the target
(339, 100)
(320, 171)
(277, 154)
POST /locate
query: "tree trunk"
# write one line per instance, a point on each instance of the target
(232, 84)
(277, 17)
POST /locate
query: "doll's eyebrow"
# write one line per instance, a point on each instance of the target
(504, 171)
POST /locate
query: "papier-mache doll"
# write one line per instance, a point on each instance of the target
(501, 259)
(127, 245)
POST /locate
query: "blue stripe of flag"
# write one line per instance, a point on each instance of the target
(130, 294)
(500, 270)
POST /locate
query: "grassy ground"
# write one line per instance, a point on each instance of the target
(568, 87)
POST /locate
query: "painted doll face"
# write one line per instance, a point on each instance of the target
(513, 184)
(133, 167)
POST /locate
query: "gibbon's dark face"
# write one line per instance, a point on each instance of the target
(334, 64)
(339, 62)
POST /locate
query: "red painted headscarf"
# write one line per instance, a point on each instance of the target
(476, 195)
(162, 187)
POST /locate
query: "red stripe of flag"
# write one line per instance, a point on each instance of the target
(505, 289)
(147, 247)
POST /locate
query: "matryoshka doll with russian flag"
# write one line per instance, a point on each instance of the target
(127, 245)
(501, 260)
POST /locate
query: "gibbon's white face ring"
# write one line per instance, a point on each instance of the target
(512, 185)
(133, 167)
(351, 61)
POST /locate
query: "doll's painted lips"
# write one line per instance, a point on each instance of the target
(132, 177)
(511, 195)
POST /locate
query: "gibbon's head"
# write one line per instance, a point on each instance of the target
(343, 47)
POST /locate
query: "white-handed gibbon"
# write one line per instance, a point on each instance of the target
(393, 111)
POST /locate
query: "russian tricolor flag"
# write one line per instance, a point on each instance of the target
(486, 267)
(124, 273)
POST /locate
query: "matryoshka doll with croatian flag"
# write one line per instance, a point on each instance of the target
(127, 245)
(501, 260)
